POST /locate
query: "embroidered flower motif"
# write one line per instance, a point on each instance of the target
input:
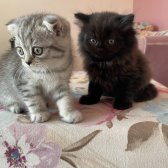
(17, 157)
(25, 146)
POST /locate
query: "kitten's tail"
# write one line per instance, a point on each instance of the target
(148, 93)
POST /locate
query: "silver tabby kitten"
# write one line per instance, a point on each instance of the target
(38, 69)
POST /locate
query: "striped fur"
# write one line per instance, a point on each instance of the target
(28, 81)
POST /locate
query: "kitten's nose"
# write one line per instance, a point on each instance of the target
(28, 62)
(100, 49)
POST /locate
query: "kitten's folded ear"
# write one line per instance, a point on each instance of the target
(12, 27)
(53, 24)
(82, 19)
(126, 21)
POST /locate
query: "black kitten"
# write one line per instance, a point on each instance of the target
(111, 57)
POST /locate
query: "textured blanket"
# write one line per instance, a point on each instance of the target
(106, 138)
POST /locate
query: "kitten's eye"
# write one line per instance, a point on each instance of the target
(20, 51)
(111, 41)
(93, 41)
(37, 50)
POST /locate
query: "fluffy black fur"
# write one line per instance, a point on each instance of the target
(112, 60)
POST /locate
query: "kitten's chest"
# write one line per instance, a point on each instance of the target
(108, 77)
(49, 82)
(103, 74)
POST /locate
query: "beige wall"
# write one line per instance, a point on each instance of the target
(14, 8)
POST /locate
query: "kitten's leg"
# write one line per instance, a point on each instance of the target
(35, 104)
(94, 93)
(14, 107)
(67, 111)
(37, 108)
(10, 102)
(124, 96)
(122, 102)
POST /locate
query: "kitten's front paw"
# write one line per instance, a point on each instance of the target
(72, 117)
(40, 117)
(122, 104)
(88, 100)
(15, 108)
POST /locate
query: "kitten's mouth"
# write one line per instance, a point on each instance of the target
(101, 58)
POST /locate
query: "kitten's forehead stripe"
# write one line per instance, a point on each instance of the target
(28, 28)
(26, 31)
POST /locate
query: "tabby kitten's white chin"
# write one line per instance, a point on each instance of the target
(42, 51)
